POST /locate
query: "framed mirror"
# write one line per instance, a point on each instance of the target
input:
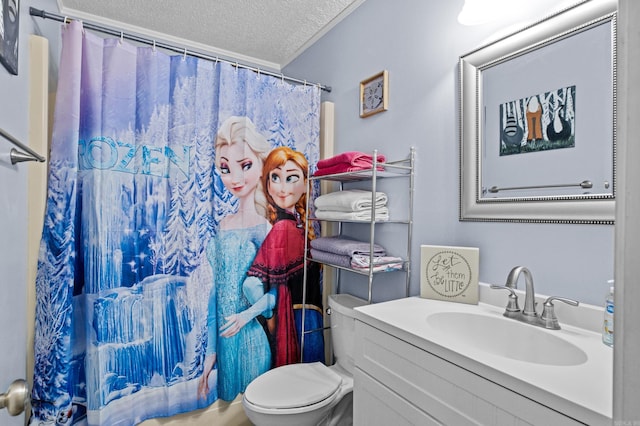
(537, 121)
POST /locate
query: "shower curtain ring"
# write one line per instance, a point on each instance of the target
(153, 48)
(66, 20)
(184, 56)
(258, 77)
(121, 37)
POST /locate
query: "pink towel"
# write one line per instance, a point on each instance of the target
(351, 158)
(350, 161)
(342, 168)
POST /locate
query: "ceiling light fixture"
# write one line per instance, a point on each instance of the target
(477, 12)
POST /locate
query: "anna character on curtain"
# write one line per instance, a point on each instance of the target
(241, 353)
(279, 264)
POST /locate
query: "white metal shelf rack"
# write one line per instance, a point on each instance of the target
(402, 169)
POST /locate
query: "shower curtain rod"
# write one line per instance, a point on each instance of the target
(47, 15)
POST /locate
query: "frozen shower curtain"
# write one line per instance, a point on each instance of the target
(156, 210)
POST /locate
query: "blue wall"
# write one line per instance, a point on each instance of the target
(419, 42)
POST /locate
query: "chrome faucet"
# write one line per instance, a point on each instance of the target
(529, 309)
(529, 315)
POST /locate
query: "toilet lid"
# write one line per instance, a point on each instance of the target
(293, 386)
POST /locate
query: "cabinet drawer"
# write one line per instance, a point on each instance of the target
(374, 404)
(448, 393)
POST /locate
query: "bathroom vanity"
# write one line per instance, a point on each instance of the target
(428, 362)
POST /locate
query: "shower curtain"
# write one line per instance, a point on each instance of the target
(144, 252)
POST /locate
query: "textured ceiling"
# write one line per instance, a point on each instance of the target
(266, 33)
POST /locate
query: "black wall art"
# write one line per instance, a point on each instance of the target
(9, 31)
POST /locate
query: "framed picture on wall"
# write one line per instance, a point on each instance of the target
(374, 94)
(9, 32)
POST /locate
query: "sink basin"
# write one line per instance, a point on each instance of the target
(508, 338)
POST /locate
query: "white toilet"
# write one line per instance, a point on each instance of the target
(310, 393)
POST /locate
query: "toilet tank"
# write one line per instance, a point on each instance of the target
(343, 328)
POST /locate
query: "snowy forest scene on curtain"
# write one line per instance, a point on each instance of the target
(134, 199)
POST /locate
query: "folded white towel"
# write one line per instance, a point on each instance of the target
(380, 263)
(350, 200)
(382, 214)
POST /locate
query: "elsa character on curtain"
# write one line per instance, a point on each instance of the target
(279, 264)
(241, 354)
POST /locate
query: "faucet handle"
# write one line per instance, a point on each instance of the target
(548, 317)
(512, 303)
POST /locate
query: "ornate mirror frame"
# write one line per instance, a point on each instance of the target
(475, 205)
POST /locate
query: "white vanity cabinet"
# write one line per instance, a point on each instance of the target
(397, 383)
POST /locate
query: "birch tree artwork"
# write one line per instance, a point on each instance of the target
(539, 122)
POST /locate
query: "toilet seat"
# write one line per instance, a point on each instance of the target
(294, 386)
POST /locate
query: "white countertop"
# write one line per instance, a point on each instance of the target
(582, 391)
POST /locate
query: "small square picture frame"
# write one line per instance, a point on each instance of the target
(374, 94)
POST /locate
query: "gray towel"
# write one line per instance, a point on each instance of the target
(331, 258)
(346, 246)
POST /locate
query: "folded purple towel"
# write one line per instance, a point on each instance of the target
(346, 246)
(331, 258)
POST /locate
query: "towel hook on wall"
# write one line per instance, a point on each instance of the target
(26, 153)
